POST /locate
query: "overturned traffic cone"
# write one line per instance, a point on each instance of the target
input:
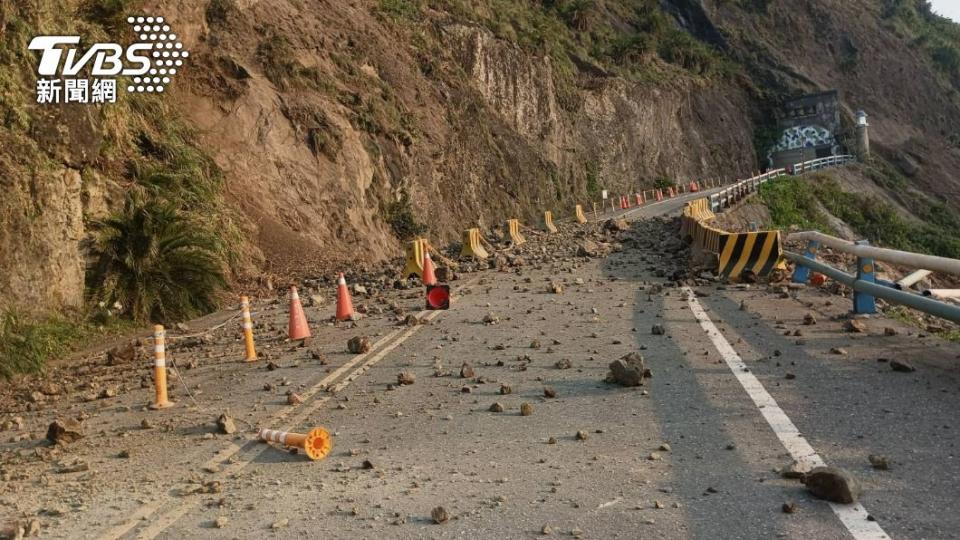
(160, 368)
(429, 276)
(298, 328)
(438, 297)
(316, 444)
(344, 302)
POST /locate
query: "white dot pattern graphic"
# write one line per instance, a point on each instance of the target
(166, 52)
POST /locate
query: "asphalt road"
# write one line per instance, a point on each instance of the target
(401, 451)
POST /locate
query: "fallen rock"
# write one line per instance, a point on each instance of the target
(358, 345)
(902, 366)
(833, 484)
(792, 471)
(505, 389)
(439, 515)
(406, 378)
(563, 363)
(411, 320)
(294, 398)
(888, 331)
(658, 330)
(879, 462)
(65, 431)
(226, 425)
(526, 409)
(72, 467)
(627, 371)
(789, 507)
(582, 435)
(122, 354)
(549, 391)
(496, 407)
(588, 248)
(616, 225)
(809, 319)
(855, 325)
(467, 371)
(221, 522)
(490, 318)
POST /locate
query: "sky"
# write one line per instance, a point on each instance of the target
(947, 8)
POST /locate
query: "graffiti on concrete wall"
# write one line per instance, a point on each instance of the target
(805, 137)
(809, 136)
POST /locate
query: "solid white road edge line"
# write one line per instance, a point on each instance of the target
(853, 516)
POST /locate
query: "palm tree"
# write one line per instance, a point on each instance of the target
(156, 263)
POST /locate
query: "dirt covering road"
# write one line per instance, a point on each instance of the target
(509, 425)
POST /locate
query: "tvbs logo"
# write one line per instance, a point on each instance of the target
(147, 65)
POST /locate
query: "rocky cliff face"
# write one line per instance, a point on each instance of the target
(341, 126)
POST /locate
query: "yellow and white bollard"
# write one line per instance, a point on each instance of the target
(316, 444)
(160, 368)
(248, 329)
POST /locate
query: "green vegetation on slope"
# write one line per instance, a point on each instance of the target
(800, 202)
(26, 343)
(173, 269)
(621, 36)
(937, 36)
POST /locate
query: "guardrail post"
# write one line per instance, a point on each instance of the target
(866, 271)
(801, 274)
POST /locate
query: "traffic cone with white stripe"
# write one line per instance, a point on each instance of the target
(429, 275)
(298, 327)
(316, 444)
(344, 302)
(160, 368)
(251, 349)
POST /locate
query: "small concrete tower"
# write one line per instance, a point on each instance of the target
(863, 136)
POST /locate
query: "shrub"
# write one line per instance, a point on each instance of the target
(399, 214)
(26, 345)
(218, 11)
(400, 9)
(107, 13)
(156, 263)
(663, 182)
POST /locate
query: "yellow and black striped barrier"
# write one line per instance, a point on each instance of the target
(758, 252)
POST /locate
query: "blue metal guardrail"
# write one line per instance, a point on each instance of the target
(866, 286)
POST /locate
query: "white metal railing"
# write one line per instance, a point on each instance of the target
(820, 163)
(727, 196)
(738, 191)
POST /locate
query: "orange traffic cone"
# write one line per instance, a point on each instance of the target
(429, 277)
(344, 302)
(298, 328)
